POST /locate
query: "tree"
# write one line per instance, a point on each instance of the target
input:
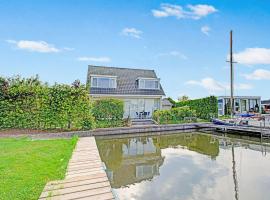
(183, 98)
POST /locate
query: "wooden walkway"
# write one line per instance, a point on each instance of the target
(85, 178)
(247, 129)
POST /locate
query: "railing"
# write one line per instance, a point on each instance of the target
(265, 132)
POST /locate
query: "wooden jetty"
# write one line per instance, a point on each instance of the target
(85, 177)
(248, 130)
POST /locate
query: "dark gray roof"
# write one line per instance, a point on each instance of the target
(266, 101)
(126, 80)
(166, 102)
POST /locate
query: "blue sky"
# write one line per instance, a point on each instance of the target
(186, 42)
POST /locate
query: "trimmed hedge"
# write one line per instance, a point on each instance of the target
(29, 103)
(206, 108)
(173, 115)
(108, 109)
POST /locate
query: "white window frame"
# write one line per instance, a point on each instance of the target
(148, 79)
(100, 76)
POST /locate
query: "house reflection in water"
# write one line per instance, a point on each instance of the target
(139, 160)
(132, 160)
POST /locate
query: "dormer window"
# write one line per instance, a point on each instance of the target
(103, 82)
(148, 83)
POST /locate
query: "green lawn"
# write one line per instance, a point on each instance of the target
(27, 165)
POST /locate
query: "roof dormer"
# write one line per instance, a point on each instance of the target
(103, 81)
(148, 83)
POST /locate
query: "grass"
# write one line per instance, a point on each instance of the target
(27, 165)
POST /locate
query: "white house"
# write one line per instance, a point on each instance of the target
(140, 89)
(242, 104)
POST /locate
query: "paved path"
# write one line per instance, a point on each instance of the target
(85, 177)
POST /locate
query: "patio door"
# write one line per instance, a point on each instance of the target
(149, 107)
(127, 108)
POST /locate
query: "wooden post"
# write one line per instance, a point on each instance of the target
(231, 73)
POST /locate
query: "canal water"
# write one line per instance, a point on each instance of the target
(186, 166)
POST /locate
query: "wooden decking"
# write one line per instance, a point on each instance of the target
(85, 176)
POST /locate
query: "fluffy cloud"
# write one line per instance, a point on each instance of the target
(208, 83)
(205, 30)
(167, 10)
(212, 85)
(199, 11)
(258, 74)
(95, 59)
(132, 32)
(253, 56)
(35, 46)
(192, 11)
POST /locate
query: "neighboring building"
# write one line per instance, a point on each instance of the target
(140, 89)
(266, 106)
(242, 104)
(166, 104)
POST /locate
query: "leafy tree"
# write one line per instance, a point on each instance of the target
(183, 98)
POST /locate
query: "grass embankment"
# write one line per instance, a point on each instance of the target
(27, 165)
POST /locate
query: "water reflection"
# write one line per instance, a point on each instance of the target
(186, 166)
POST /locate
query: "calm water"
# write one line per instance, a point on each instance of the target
(186, 166)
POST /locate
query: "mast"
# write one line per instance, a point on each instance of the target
(235, 181)
(231, 73)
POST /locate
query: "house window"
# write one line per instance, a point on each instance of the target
(253, 105)
(148, 84)
(103, 82)
(237, 105)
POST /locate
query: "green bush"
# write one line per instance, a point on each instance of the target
(206, 108)
(174, 115)
(29, 103)
(108, 109)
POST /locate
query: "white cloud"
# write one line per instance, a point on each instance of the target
(201, 10)
(192, 11)
(132, 32)
(174, 54)
(167, 10)
(205, 30)
(68, 49)
(36, 46)
(95, 59)
(208, 83)
(258, 74)
(212, 85)
(253, 56)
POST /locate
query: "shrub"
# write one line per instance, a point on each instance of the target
(108, 109)
(206, 108)
(174, 115)
(88, 123)
(29, 103)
